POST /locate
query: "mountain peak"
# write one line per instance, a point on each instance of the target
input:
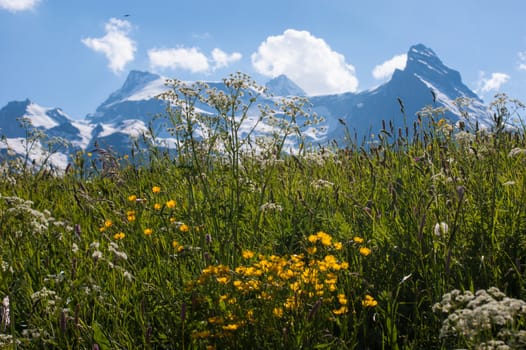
(137, 79)
(283, 86)
(421, 58)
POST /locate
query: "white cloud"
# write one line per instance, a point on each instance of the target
(18, 5)
(386, 69)
(222, 59)
(191, 59)
(116, 45)
(307, 60)
(181, 58)
(493, 83)
(522, 58)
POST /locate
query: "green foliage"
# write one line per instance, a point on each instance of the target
(231, 242)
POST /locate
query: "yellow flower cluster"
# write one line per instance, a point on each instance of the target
(363, 250)
(369, 301)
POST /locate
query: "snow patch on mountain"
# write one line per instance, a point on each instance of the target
(38, 116)
(149, 91)
(36, 153)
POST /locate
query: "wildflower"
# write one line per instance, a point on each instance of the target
(277, 312)
(184, 228)
(222, 280)
(325, 238)
(441, 229)
(119, 235)
(369, 301)
(311, 250)
(156, 189)
(357, 239)
(247, 254)
(132, 198)
(230, 327)
(97, 254)
(342, 310)
(342, 299)
(171, 204)
(177, 246)
(365, 251)
(148, 231)
(5, 320)
(130, 215)
(201, 334)
(108, 223)
(337, 245)
(157, 206)
(102, 229)
(313, 238)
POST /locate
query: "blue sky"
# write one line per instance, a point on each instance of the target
(73, 53)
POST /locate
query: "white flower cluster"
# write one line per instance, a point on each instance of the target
(270, 207)
(321, 184)
(49, 298)
(488, 317)
(22, 209)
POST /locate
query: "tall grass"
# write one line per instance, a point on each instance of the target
(234, 243)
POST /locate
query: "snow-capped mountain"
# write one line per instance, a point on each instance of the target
(21, 121)
(129, 112)
(425, 81)
(283, 86)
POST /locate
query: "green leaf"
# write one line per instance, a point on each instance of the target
(100, 338)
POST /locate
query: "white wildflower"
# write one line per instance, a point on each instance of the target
(270, 207)
(5, 319)
(97, 254)
(516, 152)
(441, 229)
(128, 276)
(321, 184)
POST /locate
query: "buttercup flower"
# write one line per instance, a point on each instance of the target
(156, 189)
(365, 251)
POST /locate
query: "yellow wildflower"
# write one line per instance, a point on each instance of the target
(365, 251)
(148, 231)
(119, 235)
(201, 334)
(337, 245)
(132, 198)
(177, 246)
(247, 254)
(311, 250)
(369, 301)
(357, 239)
(157, 206)
(184, 228)
(156, 189)
(342, 299)
(230, 327)
(313, 238)
(171, 204)
(108, 223)
(325, 238)
(342, 310)
(222, 280)
(277, 312)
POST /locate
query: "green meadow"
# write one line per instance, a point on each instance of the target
(412, 239)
